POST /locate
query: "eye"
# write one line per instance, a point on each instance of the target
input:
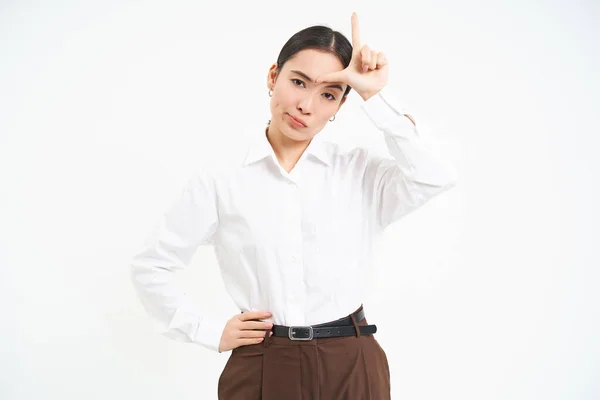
(297, 80)
(330, 98)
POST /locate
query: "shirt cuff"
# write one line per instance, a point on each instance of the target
(384, 109)
(210, 330)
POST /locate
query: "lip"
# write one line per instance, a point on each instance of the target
(298, 120)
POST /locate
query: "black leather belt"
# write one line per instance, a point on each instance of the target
(340, 327)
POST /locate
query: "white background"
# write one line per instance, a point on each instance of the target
(489, 291)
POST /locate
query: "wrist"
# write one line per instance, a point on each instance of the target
(367, 95)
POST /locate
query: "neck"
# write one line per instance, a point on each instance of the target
(288, 151)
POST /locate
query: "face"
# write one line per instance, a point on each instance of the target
(296, 96)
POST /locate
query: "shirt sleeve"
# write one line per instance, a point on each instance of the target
(416, 173)
(191, 220)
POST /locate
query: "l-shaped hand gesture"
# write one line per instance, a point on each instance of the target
(367, 73)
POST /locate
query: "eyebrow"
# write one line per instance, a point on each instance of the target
(311, 81)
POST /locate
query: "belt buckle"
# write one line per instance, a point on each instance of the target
(292, 333)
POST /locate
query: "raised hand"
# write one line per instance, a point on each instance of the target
(367, 73)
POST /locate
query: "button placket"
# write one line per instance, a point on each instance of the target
(294, 296)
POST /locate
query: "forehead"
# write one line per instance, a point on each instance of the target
(313, 62)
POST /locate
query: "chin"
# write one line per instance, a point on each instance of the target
(295, 135)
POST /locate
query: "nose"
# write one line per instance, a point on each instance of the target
(305, 104)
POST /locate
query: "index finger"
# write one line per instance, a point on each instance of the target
(251, 315)
(355, 32)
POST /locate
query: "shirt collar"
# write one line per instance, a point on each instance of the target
(260, 148)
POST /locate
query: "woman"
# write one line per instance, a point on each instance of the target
(293, 228)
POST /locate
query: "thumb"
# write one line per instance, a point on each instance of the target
(339, 76)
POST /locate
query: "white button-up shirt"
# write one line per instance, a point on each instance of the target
(296, 244)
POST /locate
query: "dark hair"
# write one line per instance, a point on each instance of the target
(317, 37)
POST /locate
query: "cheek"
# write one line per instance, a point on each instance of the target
(288, 96)
(327, 111)
(285, 99)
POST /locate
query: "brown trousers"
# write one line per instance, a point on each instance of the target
(334, 368)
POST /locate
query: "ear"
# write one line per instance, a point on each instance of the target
(272, 75)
